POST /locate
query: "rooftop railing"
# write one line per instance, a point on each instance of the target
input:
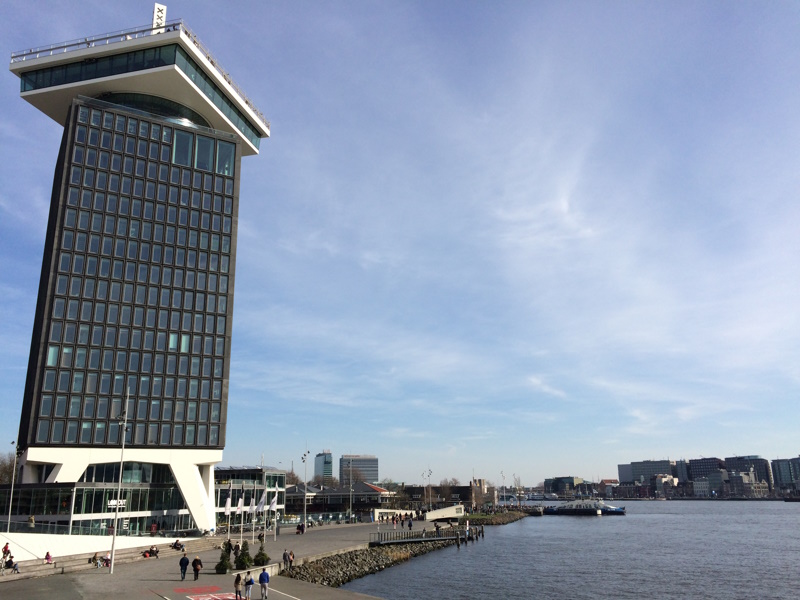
(106, 39)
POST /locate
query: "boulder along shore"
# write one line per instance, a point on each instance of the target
(337, 570)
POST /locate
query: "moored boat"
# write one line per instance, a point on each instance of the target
(579, 508)
(584, 508)
(607, 509)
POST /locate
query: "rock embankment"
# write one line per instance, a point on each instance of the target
(337, 570)
(495, 519)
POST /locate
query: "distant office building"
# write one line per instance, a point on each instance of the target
(703, 467)
(625, 473)
(644, 470)
(719, 483)
(760, 467)
(563, 486)
(682, 471)
(786, 473)
(364, 467)
(135, 305)
(323, 467)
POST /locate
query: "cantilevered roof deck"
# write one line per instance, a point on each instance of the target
(167, 62)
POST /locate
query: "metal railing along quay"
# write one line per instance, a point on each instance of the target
(419, 535)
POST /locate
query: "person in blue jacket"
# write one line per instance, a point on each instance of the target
(263, 579)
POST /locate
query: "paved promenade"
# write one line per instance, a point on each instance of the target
(160, 578)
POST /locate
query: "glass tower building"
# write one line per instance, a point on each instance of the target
(135, 303)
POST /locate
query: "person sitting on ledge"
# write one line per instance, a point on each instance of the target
(48, 559)
(10, 564)
(153, 551)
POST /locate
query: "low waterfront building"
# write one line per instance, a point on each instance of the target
(747, 485)
(328, 501)
(562, 486)
(633, 490)
(701, 487)
(664, 486)
(249, 485)
(606, 487)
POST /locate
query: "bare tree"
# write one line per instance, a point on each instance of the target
(446, 490)
(356, 475)
(6, 467)
(292, 478)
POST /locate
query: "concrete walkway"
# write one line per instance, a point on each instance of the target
(160, 578)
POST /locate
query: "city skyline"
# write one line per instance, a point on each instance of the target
(536, 239)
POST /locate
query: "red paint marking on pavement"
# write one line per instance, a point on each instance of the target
(229, 596)
(202, 589)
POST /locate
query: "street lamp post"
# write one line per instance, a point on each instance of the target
(504, 487)
(430, 491)
(13, 476)
(350, 519)
(124, 417)
(305, 486)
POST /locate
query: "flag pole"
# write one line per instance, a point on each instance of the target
(275, 515)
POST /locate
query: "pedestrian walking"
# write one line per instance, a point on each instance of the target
(263, 579)
(197, 564)
(248, 585)
(184, 563)
(237, 586)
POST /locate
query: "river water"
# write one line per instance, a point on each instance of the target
(660, 550)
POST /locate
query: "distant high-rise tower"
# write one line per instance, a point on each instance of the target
(136, 292)
(323, 467)
(364, 467)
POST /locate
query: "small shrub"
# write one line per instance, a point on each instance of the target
(244, 560)
(261, 559)
(224, 565)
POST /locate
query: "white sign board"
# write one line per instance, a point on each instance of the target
(159, 18)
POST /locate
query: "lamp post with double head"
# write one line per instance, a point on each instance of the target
(305, 485)
(123, 418)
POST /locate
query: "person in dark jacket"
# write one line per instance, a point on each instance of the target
(184, 563)
(197, 564)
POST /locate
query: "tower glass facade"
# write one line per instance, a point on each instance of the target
(135, 304)
(136, 293)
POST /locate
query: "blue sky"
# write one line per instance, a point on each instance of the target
(541, 238)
